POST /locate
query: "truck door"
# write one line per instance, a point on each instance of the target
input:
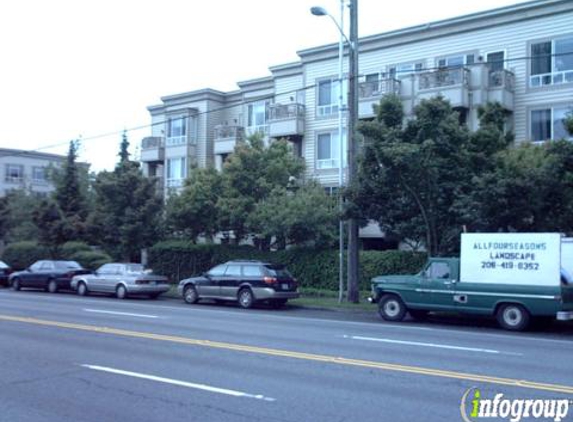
(440, 284)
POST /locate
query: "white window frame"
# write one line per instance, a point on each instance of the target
(404, 70)
(331, 109)
(554, 77)
(255, 111)
(554, 120)
(16, 168)
(172, 179)
(176, 135)
(331, 162)
(444, 61)
(43, 178)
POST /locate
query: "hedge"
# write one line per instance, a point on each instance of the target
(20, 255)
(313, 268)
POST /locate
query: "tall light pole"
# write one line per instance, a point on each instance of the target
(353, 262)
(319, 11)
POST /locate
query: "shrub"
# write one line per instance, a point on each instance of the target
(20, 255)
(312, 268)
(69, 249)
(89, 259)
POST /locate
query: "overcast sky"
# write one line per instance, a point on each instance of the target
(72, 68)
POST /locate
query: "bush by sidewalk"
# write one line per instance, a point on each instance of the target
(313, 268)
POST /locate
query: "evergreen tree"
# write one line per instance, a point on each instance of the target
(128, 210)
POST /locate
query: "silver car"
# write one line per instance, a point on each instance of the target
(122, 280)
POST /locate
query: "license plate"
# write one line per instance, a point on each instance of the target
(285, 286)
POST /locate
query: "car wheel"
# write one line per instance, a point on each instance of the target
(190, 295)
(246, 298)
(82, 289)
(513, 317)
(52, 286)
(121, 292)
(16, 284)
(391, 308)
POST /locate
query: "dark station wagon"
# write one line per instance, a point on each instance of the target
(245, 282)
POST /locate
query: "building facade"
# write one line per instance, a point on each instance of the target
(520, 56)
(27, 170)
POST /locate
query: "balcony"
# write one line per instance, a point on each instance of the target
(227, 137)
(152, 149)
(286, 120)
(501, 88)
(451, 83)
(370, 93)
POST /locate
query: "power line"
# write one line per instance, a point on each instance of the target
(294, 91)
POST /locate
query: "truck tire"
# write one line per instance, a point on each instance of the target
(391, 308)
(513, 317)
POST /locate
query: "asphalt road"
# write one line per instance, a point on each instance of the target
(68, 358)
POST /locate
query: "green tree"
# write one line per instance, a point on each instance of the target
(414, 176)
(17, 216)
(250, 174)
(529, 189)
(568, 123)
(302, 216)
(128, 212)
(54, 229)
(194, 212)
(70, 195)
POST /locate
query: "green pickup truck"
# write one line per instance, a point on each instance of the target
(514, 277)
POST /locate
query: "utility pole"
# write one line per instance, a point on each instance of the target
(353, 264)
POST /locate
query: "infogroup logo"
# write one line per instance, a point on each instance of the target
(475, 407)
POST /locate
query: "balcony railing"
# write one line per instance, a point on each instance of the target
(152, 142)
(378, 88)
(225, 132)
(286, 111)
(502, 79)
(444, 78)
(176, 140)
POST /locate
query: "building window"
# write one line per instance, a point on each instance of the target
(328, 151)
(459, 60)
(548, 124)
(328, 94)
(551, 62)
(14, 173)
(39, 175)
(258, 117)
(177, 130)
(176, 172)
(404, 70)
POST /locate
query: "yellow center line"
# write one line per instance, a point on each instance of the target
(299, 355)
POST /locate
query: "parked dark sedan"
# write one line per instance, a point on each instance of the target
(245, 282)
(48, 275)
(5, 271)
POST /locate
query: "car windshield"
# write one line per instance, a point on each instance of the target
(134, 268)
(67, 265)
(3, 265)
(278, 271)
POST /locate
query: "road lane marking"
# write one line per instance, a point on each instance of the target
(179, 383)
(378, 325)
(100, 311)
(434, 345)
(419, 370)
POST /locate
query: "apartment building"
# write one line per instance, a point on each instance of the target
(27, 170)
(520, 56)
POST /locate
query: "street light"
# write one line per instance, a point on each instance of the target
(352, 147)
(320, 11)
